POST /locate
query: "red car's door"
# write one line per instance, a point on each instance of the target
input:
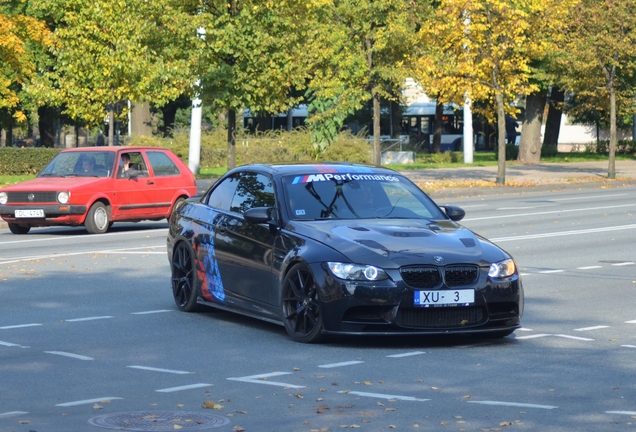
(167, 178)
(135, 189)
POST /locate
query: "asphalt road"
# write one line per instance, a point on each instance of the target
(89, 335)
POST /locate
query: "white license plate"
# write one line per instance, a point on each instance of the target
(444, 297)
(37, 213)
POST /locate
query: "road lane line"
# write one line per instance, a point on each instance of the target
(534, 336)
(150, 312)
(624, 263)
(551, 271)
(591, 328)
(564, 233)
(514, 404)
(92, 236)
(69, 254)
(19, 326)
(589, 267)
(185, 387)
(630, 322)
(334, 365)
(12, 414)
(631, 413)
(160, 370)
(408, 354)
(263, 379)
(87, 401)
(384, 396)
(88, 319)
(9, 344)
(548, 212)
(629, 346)
(573, 337)
(65, 354)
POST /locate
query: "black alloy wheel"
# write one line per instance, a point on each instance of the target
(301, 310)
(184, 278)
(19, 229)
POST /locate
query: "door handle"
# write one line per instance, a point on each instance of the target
(150, 182)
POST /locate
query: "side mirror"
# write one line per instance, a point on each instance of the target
(454, 213)
(259, 215)
(132, 173)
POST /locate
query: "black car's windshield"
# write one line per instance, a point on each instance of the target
(356, 196)
(80, 163)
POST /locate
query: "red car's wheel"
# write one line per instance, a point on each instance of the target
(19, 229)
(97, 219)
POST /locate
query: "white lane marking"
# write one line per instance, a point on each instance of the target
(629, 346)
(87, 401)
(534, 336)
(551, 271)
(630, 322)
(563, 233)
(88, 319)
(12, 413)
(19, 326)
(160, 370)
(150, 312)
(525, 274)
(591, 328)
(573, 337)
(589, 267)
(624, 263)
(408, 354)
(384, 396)
(138, 253)
(524, 329)
(91, 237)
(586, 197)
(69, 254)
(548, 212)
(631, 413)
(65, 354)
(334, 365)
(185, 387)
(514, 404)
(524, 208)
(9, 344)
(263, 379)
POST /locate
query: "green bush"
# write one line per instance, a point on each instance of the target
(25, 160)
(626, 146)
(512, 152)
(549, 151)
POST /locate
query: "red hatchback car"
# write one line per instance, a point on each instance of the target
(96, 186)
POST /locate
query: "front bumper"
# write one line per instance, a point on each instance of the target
(53, 215)
(387, 307)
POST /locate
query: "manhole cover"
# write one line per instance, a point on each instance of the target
(158, 421)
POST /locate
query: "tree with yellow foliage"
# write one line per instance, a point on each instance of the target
(483, 50)
(19, 35)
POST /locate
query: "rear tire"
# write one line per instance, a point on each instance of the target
(97, 219)
(19, 229)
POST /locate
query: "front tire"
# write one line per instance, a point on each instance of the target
(19, 229)
(97, 219)
(301, 309)
(185, 287)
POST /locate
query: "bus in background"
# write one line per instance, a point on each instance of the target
(418, 121)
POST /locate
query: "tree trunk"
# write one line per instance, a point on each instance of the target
(553, 122)
(231, 139)
(438, 128)
(140, 119)
(611, 172)
(396, 120)
(111, 126)
(501, 139)
(46, 124)
(530, 143)
(377, 156)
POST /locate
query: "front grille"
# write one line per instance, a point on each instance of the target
(441, 317)
(421, 277)
(38, 197)
(460, 275)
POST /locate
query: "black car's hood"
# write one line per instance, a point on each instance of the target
(391, 243)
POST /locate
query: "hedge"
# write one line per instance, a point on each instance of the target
(25, 160)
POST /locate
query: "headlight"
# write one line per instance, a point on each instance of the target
(502, 269)
(356, 271)
(63, 197)
(3, 198)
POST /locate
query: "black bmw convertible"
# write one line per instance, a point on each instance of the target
(339, 249)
